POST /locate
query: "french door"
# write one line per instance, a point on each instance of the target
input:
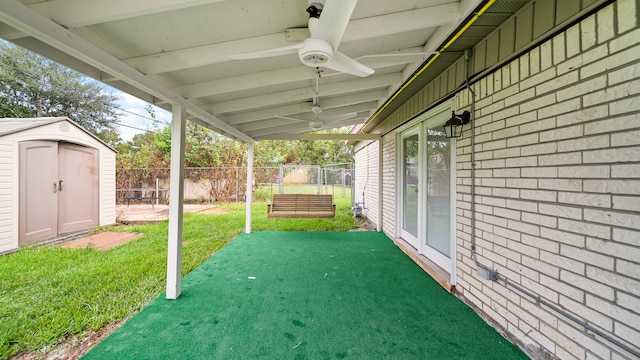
(426, 189)
(410, 186)
(440, 176)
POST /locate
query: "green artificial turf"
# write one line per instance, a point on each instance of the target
(307, 295)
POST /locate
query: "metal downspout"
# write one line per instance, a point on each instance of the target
(483, 271)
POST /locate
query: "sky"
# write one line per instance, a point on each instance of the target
(134, 115)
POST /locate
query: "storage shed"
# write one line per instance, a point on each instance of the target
(56, 178)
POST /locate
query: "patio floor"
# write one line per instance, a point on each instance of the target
(301, 295)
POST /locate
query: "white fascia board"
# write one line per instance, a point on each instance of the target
(348, 137)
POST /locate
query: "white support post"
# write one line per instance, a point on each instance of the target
(249, 197)
(380, 172)
(176, 191)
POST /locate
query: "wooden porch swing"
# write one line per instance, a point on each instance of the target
(301, 206)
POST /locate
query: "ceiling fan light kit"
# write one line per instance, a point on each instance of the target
(316, 52)
(316, 125)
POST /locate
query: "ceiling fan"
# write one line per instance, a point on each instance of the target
(317, 123)
(327, 23)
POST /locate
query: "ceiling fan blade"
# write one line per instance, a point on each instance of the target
(333, 21)
(342, 63)
(337, 118)
(285, 50)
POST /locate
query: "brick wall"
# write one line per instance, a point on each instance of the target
(558, 188)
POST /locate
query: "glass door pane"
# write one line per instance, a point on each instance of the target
(410, 188)
(439, 192)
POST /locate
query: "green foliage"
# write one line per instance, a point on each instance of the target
(32, 86)
(205, 148)
(48, 294)
(304, 152)
(146, 150)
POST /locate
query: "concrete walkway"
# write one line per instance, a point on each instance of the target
(146, 213)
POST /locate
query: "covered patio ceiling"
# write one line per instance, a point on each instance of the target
(183, 52)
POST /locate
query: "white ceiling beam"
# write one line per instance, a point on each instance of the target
(204, 55)
(346, 100)
(283, 136)
(277, 122)
(280, 132)
(259, 101)
(289, 110)
(359, 29)
(32, 23)
(304, 94)
(269, 113)
(271, 123)
(76, 13)
(273, 133)
(403, 56)
(405, 21)
(63, 58)
(9, 33)
(252, 81)
(355, 108)
(245, 82)
(264, 133)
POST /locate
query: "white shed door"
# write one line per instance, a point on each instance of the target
(58, 189)
(77, 188)
(38, 191)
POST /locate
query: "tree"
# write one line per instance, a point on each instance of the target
(322, 152)
(214, 160)
(32, 86)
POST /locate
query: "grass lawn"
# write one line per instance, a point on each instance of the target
(48, 294)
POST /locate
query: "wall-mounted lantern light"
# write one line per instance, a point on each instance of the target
(453, 127)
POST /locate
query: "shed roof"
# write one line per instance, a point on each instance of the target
(15, 125)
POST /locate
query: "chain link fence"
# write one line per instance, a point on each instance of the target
(228, 184)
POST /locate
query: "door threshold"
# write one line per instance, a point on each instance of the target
(438, 274)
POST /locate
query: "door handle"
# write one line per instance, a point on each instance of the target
(60, 182)
(55, 187)
(416, 189)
